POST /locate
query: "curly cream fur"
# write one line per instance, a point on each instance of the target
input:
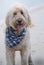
(25, 46)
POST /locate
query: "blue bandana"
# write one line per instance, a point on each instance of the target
(13, 39)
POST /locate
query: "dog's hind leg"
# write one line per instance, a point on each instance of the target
(30, 61)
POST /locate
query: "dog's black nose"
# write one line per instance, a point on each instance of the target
(19, 20)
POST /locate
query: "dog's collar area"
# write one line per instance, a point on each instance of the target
(13, 39)
(11, 29)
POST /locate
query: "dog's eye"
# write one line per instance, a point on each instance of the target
(22, 13)
(14, 13)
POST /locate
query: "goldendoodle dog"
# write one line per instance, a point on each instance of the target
(18, 35)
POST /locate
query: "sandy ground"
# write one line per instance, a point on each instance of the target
(36, 36)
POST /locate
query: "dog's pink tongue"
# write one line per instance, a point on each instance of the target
(19, 26)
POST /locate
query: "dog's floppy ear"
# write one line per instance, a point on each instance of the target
(7, 19)
(30, 22)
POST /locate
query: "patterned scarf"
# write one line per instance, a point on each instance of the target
(13, 39)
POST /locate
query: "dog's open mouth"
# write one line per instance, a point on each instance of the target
(19, 26)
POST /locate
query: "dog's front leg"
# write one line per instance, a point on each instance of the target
(24, 57)
(10, 57)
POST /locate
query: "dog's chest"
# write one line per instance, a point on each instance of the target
(12, 39)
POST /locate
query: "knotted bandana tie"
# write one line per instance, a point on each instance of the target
(13, 39)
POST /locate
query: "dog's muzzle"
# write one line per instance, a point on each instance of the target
(19, 21)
